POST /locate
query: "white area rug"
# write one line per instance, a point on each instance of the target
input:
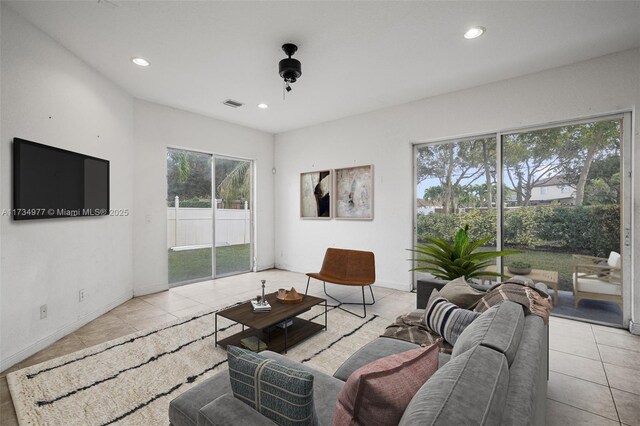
(131, 380)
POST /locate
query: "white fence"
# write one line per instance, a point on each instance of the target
(194, 227)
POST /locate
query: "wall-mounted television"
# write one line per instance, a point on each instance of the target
(51, 182)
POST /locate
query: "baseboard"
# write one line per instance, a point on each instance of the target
(265, 267)
(36, 347)
(150, 289)
(394, 285)
(634, 328)
(378, 283)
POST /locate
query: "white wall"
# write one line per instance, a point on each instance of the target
(50, 96)
(383, 138)
(158, 127)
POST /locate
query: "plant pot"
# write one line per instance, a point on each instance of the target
(519, 271)
(424, 287)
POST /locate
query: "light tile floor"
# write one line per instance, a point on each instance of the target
(594, 377)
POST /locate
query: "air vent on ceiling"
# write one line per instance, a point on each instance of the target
(109, 3)
(233, 104)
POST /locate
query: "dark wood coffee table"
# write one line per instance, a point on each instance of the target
(278, 340)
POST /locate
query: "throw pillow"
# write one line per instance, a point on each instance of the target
(282, 394)
(460, 293)
(447, 319)
(379, 392)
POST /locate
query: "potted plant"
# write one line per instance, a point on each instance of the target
(450, 260)
(519, 268)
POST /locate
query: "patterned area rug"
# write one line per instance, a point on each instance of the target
(131, 380)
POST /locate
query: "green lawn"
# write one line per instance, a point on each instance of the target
(547, 260)
(233, 259)
(193, 264)
(550, 261)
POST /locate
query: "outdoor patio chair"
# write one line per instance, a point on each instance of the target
(597, 278)
(350, 268)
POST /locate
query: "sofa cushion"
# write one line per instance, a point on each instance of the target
(460, 293)
(447, 319)
(376, 349)
(471, 389)
(379, 392)
(183, 409)
(282, 394)
(499, 328)
(228, 410)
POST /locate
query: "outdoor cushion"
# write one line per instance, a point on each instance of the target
(447, 319)
(282, 394)
(471, 389)
(498, 328)
(379, 392)
(615, 260)
(460, 293)
(594, 285)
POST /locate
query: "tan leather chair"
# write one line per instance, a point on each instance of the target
(596, 278)
(347, 267)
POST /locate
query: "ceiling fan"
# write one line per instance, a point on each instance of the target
(290, 69)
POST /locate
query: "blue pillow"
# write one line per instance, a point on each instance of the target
(282, 394)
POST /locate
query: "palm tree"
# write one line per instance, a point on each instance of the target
(236, 185)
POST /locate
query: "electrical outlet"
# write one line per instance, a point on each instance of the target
(81, 295)
(43, 311)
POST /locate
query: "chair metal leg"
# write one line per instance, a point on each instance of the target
(364, 303)
(307, 289)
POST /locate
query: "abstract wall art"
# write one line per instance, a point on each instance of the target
(354, 193)
(315, 195)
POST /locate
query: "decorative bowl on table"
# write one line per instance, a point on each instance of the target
(290, 296)
(519, 268)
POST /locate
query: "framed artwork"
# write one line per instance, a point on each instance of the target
(354, 193)
(315, 195)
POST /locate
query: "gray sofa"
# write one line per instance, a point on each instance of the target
(496, 375)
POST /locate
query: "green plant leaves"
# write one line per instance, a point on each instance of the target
(449, 261)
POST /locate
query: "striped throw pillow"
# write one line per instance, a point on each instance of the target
(447, 319)
(282, 394)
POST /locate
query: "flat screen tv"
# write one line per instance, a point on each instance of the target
(51, 182)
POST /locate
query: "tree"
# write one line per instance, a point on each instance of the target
(188, 175)
(586, 144)
(236, 185)
(456, 166)
(532, 157)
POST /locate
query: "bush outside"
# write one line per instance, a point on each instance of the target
(591, 230)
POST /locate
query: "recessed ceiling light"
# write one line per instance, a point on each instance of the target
(474, 32)
(263, 106)
(140, 61)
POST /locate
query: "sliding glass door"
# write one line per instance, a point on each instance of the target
(456, 184)
(189, 216)
(559, 199)
(233, 216)
(209, 217)
(562, 210)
